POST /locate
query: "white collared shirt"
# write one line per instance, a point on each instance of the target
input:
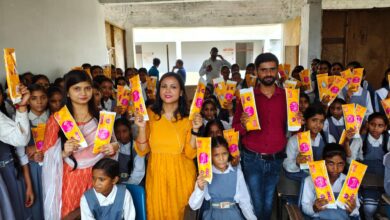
(309, 196)
(108, 104)
(128, 206)
(290, 163)
(41, 119)
(336, 122)
(144, 86)
(375, 142)
(216, 69)
(16, 133)
(382, 93)
(242, 196)
(138, 172)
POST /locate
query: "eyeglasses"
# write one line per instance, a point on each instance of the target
(272, 69)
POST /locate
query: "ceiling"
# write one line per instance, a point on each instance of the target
(204, 13)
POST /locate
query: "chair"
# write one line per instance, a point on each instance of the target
(139, 200)
(285, 189)
(294, 211)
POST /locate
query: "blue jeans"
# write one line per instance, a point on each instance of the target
(261, 176)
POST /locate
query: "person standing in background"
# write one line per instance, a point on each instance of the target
(212, 67)
(180, 70)
(153, 71)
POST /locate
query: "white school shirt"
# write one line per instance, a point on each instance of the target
(41, 119)
(138, 172)
(290, 163)
(216, 69)
(16, 133)
(336, 122)
(144, 86)
(128, 206)
(309, 196)
(107, 105)
(357, 148)
(241, 197)
(370, 110)
(382, 93)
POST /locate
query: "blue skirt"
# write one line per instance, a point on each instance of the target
(6, 211)
(36, 179)
(232, 213)
(16, 188)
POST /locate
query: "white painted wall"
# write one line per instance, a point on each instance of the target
(158, 50)
(52, 36)
(195, 44)
(311, 26)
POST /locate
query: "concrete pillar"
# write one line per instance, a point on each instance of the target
(311, 25)
(130, 46)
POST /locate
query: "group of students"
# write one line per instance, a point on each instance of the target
(369, 145)
(25, 196)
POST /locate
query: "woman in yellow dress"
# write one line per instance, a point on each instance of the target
(169, 137)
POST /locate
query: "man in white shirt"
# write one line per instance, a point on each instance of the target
(212, 67)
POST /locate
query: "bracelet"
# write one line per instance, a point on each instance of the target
(195, 133)
(146, 141)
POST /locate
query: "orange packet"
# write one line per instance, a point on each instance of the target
(304, 148)
(232, 138)
(203, 151)
(386, 106)
(290, 84)
(137, 97)
(249, 106)
(360, 112)
(343, 136)
(322, 83)
(104, 130)
(356, 79)
(335, 88)
(388, 79)
(107, 71)
(352, 183)
(197, 102)
(305, 79)
(88, 71)
(347, 74)
(38, 134)
(250, 80)
(330, 80)
(151, 82)
(292, 96)
(12, 75)
(282, 71)
(230, 89)
(219, 88)
(69, 126)
(322, 185)
(349, 116)
(123, 96)
(130, 108)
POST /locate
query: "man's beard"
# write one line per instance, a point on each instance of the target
(268, 81)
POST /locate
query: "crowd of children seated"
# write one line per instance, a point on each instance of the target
(21, 163)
